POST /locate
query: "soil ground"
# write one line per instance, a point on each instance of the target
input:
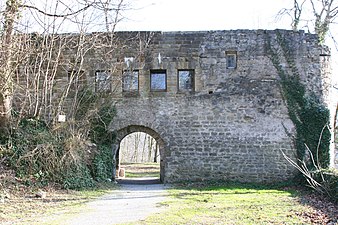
(132, 202)
(129, 200)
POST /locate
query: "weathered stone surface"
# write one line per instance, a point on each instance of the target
(233, 125)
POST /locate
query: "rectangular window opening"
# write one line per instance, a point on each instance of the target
(130, 80)
(158, 80)
(231, 60)
(102, 81)
(186, 80)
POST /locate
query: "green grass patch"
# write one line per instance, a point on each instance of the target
(230, 204)
(139, 170)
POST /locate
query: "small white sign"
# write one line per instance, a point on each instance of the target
(129, 61)
(62, 118)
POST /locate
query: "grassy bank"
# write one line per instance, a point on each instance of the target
(138, 170)
(236, 204)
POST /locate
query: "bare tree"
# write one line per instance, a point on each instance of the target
(295, 13)
(35, 58)
(139, 147)
(6, 80)
(323, 14)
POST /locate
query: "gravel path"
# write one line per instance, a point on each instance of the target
(132, 202)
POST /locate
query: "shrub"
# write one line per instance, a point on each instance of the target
(34, 150)
(77, 177)
(46, 155)
(102, 165)
(329, 181)
(64, 153)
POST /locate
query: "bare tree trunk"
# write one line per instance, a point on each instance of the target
(144, 147)
(324, 13)
(6, 70)
(135, 155)
(150, 147)
(156, 152)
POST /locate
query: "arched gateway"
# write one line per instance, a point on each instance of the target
(211, 99)
(122, 133)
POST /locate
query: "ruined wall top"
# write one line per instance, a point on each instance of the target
(212, 57)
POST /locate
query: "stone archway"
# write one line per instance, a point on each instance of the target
(122, 133)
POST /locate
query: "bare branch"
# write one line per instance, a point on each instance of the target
(56, 15)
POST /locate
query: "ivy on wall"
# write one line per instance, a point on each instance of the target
(308, 114)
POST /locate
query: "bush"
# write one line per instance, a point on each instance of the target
(77, 177)
(64, 152)
(34, 150)
(40, 155)
(329, 182)
(43, 155)
(102, 165)
(312, 130)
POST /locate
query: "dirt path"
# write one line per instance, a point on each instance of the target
(132, 202)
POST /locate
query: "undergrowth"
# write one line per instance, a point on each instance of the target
(75, 153)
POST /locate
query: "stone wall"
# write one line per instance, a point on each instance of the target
(232, 124)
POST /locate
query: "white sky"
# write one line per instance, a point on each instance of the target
(163, 15)
(188, 15)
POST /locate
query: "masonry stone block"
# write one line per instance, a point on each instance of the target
(231, 124)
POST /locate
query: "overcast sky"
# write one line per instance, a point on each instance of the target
(163, 15)
(183, 15)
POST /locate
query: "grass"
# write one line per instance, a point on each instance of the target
(139, 170)
(187, 204)
(230, 204)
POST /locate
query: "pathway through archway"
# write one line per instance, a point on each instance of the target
(139, 156)
(128, 204)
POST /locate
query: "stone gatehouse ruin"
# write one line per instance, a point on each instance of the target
(211, 99)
